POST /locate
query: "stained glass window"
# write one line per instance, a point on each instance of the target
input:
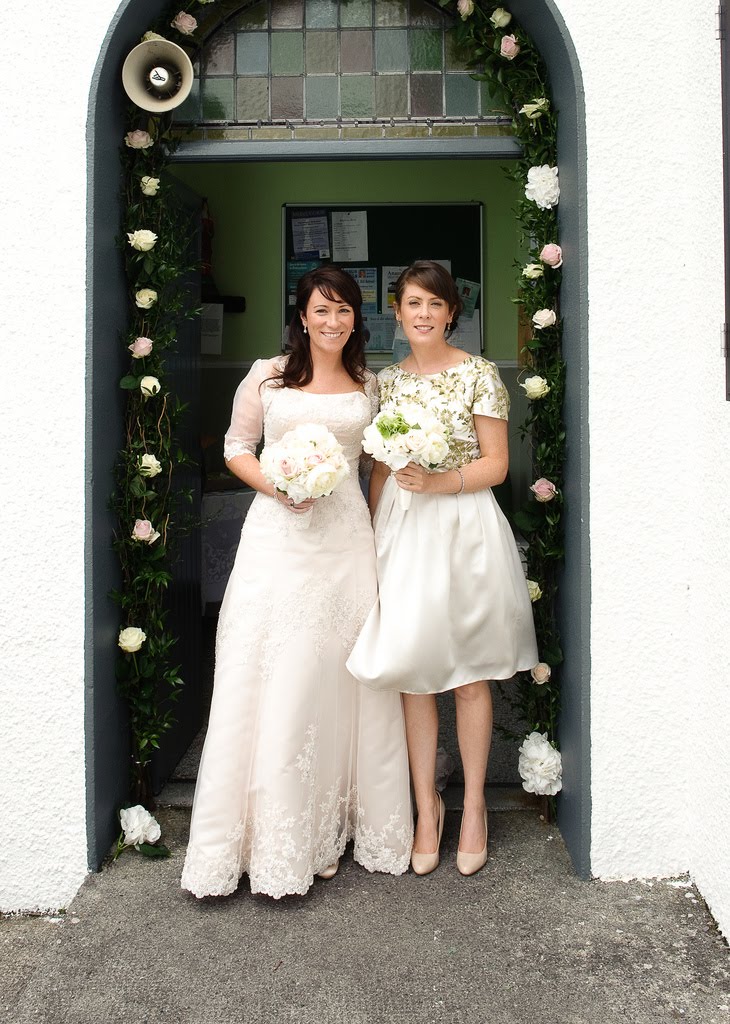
(296, 63)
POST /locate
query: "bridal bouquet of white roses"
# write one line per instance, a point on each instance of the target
(406, 432)
(308, 462)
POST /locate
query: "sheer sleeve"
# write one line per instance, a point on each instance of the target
(365, 467)
(490, 394)
(247, 418)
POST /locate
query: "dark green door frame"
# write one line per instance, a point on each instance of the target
(106, 723)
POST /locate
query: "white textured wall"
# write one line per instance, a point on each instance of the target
(42, 784)
(659, 432)
(659, 448)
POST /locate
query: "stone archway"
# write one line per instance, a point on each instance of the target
(106, 742)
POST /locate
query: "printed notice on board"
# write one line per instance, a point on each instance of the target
(469, 292)
(379, 332)
(390, 276)
(310, 235)
(367, 280)
(468, 335)
(349, 236)
(294, 270)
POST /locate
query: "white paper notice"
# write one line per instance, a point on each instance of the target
(468, 335)
(387, 292)
(349, 236)
(211, 329)
(310, 236)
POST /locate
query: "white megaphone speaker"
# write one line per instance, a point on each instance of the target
(157, 75)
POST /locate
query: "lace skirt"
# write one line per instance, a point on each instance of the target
(299, 758)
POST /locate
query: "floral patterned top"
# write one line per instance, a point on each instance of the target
(455, 395)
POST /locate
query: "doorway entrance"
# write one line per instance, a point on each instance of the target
(106, 744)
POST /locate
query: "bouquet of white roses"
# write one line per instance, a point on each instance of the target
(308, 462)
(406, 432)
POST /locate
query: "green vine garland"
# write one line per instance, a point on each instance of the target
(156, 242)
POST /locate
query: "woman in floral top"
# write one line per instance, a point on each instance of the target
(453, 609)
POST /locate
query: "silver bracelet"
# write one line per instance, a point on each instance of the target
(461, 477)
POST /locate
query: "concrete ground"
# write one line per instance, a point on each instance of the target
(523, 941)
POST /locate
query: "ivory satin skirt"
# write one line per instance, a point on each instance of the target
(453, 603)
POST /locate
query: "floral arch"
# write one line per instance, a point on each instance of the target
(502, 50)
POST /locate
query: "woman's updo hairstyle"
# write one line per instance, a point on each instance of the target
(434, 278)
(336, 286)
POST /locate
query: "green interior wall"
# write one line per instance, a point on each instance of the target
(246, 198)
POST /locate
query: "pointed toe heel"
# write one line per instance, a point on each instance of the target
(470, 863)
(425, 863)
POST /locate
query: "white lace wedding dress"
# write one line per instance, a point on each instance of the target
(299, 758)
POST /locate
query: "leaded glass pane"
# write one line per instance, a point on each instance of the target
(356, 51)
(287, 99)
(321, 53)
(287, 53)
(287, 14)
(252, 53)
(391, 49)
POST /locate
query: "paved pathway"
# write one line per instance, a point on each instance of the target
(523, 942)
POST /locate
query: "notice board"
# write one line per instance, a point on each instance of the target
(374, 241)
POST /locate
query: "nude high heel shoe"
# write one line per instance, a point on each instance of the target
(329, 872)
(425, 863)
(470, 863)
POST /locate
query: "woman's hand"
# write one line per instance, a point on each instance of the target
(298, 508)
(414, 478)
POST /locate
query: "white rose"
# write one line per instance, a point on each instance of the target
(535, 387)
(533, 590)
(542, 186)
(465, 8)
(149, 386)
(540, 765)
(415, 441)
(501, 18)
(544, 318)
(131, 639)
(533, 271)
(145, 298)
(142, 240)
(437, 449)
(322, 480)
(149, 466)
(144, 531)
(540, 673)
(535, 109)
(149, 185)
(138, 826)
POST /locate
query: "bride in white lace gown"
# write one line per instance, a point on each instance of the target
(300, 758)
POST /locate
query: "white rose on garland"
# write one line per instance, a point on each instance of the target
(145, 298)
(540, 673)
(509, 47)
(542, 186)
(535, 387)
(142, 240)
(465, 8)
(150, 186)
(540, 766)
(544, 490)
(544, 318)
(144, 531)
(149, 386)
(536, 108)
(533, 589)
(149, 465)
(532, 271)
(131, 639)
(501, 18)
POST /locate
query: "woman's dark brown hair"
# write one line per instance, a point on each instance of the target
(337, 286)
(434, 278)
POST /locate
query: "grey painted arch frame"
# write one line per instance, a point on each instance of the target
(106, 721)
